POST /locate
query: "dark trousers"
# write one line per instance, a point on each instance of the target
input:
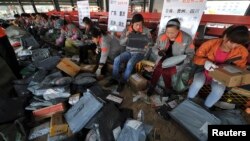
(165, 73)
(84, 51)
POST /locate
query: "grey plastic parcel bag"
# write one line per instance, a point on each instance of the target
(134, 130)
(80, 114)
(194, 118)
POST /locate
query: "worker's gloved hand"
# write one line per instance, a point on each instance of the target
(97, 50)
(161, 53)
(210, 66)
(98, 72)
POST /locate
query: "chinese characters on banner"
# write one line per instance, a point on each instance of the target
(118, 13)
(83, 10)
(189, 13)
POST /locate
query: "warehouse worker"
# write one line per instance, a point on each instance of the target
(70, 37)
(108, 47)
(87, 42)
(132, 55)
(172, 43)
(215, 52)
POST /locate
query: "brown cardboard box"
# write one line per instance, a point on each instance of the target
(230, 76)
(137, 82)
(57, 125)
(69, 67)
(88, 68)
(246, 77)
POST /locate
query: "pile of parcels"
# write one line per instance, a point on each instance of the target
(63, 101)
(192, 116)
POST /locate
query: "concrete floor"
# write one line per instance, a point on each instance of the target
(169, 130)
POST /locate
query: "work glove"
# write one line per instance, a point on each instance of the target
(210, 66)
(98, 71)
(97, 50)
(161, 53)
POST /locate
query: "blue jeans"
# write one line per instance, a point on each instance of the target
(130, 59)
(215, 94)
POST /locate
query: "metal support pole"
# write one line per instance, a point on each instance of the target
(144, 6)
(56, 5)
(72, 4)
(20, 3)
(101, 4)
(151, 5)
(107, 5)
(247, 13)
(34, 6)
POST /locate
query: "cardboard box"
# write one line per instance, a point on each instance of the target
(88, 68)
(137, 82)
(48, 111)
(57, 125)
(231, 76)
(69, 67)
(246, 77)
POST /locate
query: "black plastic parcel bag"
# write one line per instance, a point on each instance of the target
(80, 114)
(107, 122)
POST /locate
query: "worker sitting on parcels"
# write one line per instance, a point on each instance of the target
(43, 24)
(215, 52)
(19, 21)
(172, 45)
(54, 30)
(134, 52)
(108, 47)
(71, 36)
(87, 41)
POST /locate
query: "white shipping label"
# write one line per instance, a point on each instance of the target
(135, 124)
(114, 98)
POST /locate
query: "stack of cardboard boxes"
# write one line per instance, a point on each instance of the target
(231, 76)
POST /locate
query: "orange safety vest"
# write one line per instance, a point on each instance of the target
(2, 32)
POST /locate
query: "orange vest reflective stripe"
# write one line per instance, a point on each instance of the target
(2, 32)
